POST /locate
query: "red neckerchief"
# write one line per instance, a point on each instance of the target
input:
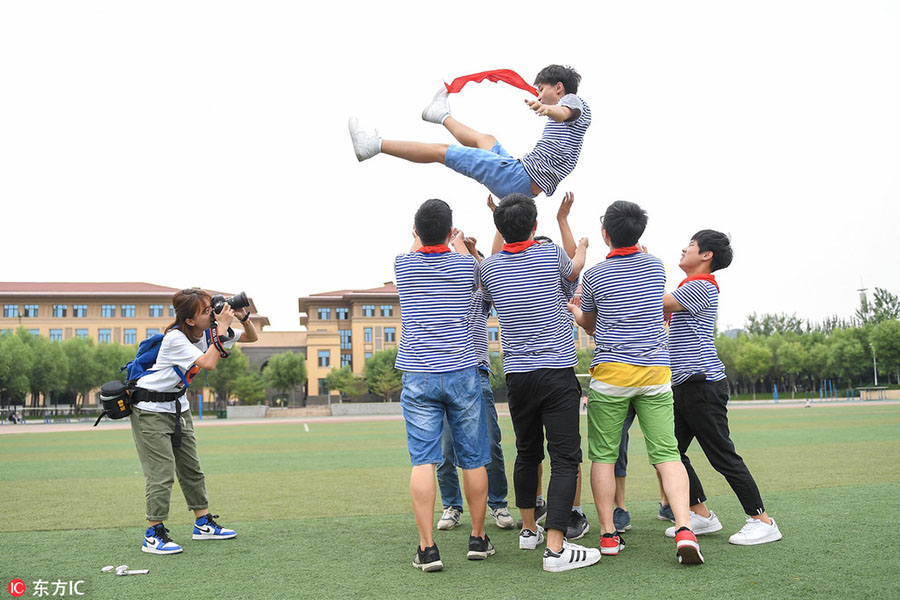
(438, 249)
(627, 251)
(517, 247)
(505, 75)
(709, 278)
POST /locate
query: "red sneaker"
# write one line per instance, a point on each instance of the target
(611, 543)
(687, 548)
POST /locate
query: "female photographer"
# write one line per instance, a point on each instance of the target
(161, 417)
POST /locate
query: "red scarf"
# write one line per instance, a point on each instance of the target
(517, 247)
(709, 278)
(505, 75)
(438, 249)
(627, 251)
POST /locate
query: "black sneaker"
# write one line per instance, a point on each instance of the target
(480, 548)
(540, 514)
(428, 559)
(577, 527)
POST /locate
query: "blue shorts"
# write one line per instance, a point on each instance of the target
(497, 170)
(426, 398)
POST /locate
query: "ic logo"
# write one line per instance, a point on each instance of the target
(17, 588)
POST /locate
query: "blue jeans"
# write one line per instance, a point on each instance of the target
(495, 169)
(429, 398)
(448, 480)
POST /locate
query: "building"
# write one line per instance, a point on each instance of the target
(107, 312)
(346, 327)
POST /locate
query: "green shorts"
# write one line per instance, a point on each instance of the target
(655, 413)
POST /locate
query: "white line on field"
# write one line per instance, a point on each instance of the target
(305, 427)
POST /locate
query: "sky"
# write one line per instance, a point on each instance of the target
(206, 144)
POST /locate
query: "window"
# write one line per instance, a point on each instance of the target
(5, 331)
(390, 334)
(345, 339)
(346, 360)
(368, 355)
(151, 332)
(324, 358)
(575, 333)
(323, 387)
(387, 310)
(156, 310)
(128, 311)
(368, 310)
(56, 335)
(367, 333)
(34, 332)
(130, 336)
(82, 333)
(103, 336)
(171, 311)
(10, 311)
(324, 314)
(31, 311)
(59, 310)
(493, 311)
(108, 311)
(493, 334)
(79, 310)
(342, 314)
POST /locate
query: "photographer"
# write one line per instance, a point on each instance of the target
(161, 419)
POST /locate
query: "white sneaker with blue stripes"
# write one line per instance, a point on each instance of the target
(572, 556)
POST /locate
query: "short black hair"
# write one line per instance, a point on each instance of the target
(541, 239)
(625, 223)
(515, 217)
(434, 219)
(716, 242)
(554, 74)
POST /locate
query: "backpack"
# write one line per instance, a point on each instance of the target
(143, 362)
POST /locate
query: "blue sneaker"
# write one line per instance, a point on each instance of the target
(205, 528)
(665, 513)
(157, 541)
(621, 519)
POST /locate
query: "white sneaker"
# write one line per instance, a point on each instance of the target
(502, 518)
(449, 519)
(529, 540)
(699, 525)
(438, 109)
(756, 532)
(571, 557)
(366, 142)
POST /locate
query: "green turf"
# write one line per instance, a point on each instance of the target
(326, 514)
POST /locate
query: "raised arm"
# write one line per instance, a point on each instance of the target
(562, 217)
(578, 259)
(497, 246)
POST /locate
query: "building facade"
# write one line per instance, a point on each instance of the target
(345, 327)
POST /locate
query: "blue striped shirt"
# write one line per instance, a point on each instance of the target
(556, 153)
(527, 290)
(626, 292)
(691, 333)
(435, 295)
(478, 318)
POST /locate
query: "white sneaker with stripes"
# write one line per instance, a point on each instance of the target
(572, 556)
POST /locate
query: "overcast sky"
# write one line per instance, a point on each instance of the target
(205, 143)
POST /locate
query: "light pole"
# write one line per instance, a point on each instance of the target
(875, 365)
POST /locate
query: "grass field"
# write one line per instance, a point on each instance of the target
(326, 514)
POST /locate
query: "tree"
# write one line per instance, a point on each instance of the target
(285, 372)
(16, 359)
(753, 360)
(227, 371)
(847, 358)
(768, 323)
(83, 375)
(49, 370)
(884, 307)
(790, 357)
(498, 378)
(885, 340)
(249, 388)
(110, 360)
(383, 378)
(347, 382)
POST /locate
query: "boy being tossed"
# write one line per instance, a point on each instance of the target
(481, 157)
(621, 306)
(527, 283)
(701, 390)
(440, 375)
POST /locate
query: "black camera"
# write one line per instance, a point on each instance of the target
(237, 302)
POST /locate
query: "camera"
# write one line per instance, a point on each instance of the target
(237, 302)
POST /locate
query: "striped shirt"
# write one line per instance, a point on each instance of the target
(626, 292)
(435, 295)
(478, 318)
(556, 153)
(527, 290)
(691, 333)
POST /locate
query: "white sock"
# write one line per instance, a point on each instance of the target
(578, 510)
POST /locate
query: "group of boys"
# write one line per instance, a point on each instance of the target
(674, 382)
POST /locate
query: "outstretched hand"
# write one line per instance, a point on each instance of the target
(541, 109)
(491, 204)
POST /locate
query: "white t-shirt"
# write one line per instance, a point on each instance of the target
(176, 350)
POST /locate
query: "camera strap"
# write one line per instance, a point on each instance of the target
(212, 336)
